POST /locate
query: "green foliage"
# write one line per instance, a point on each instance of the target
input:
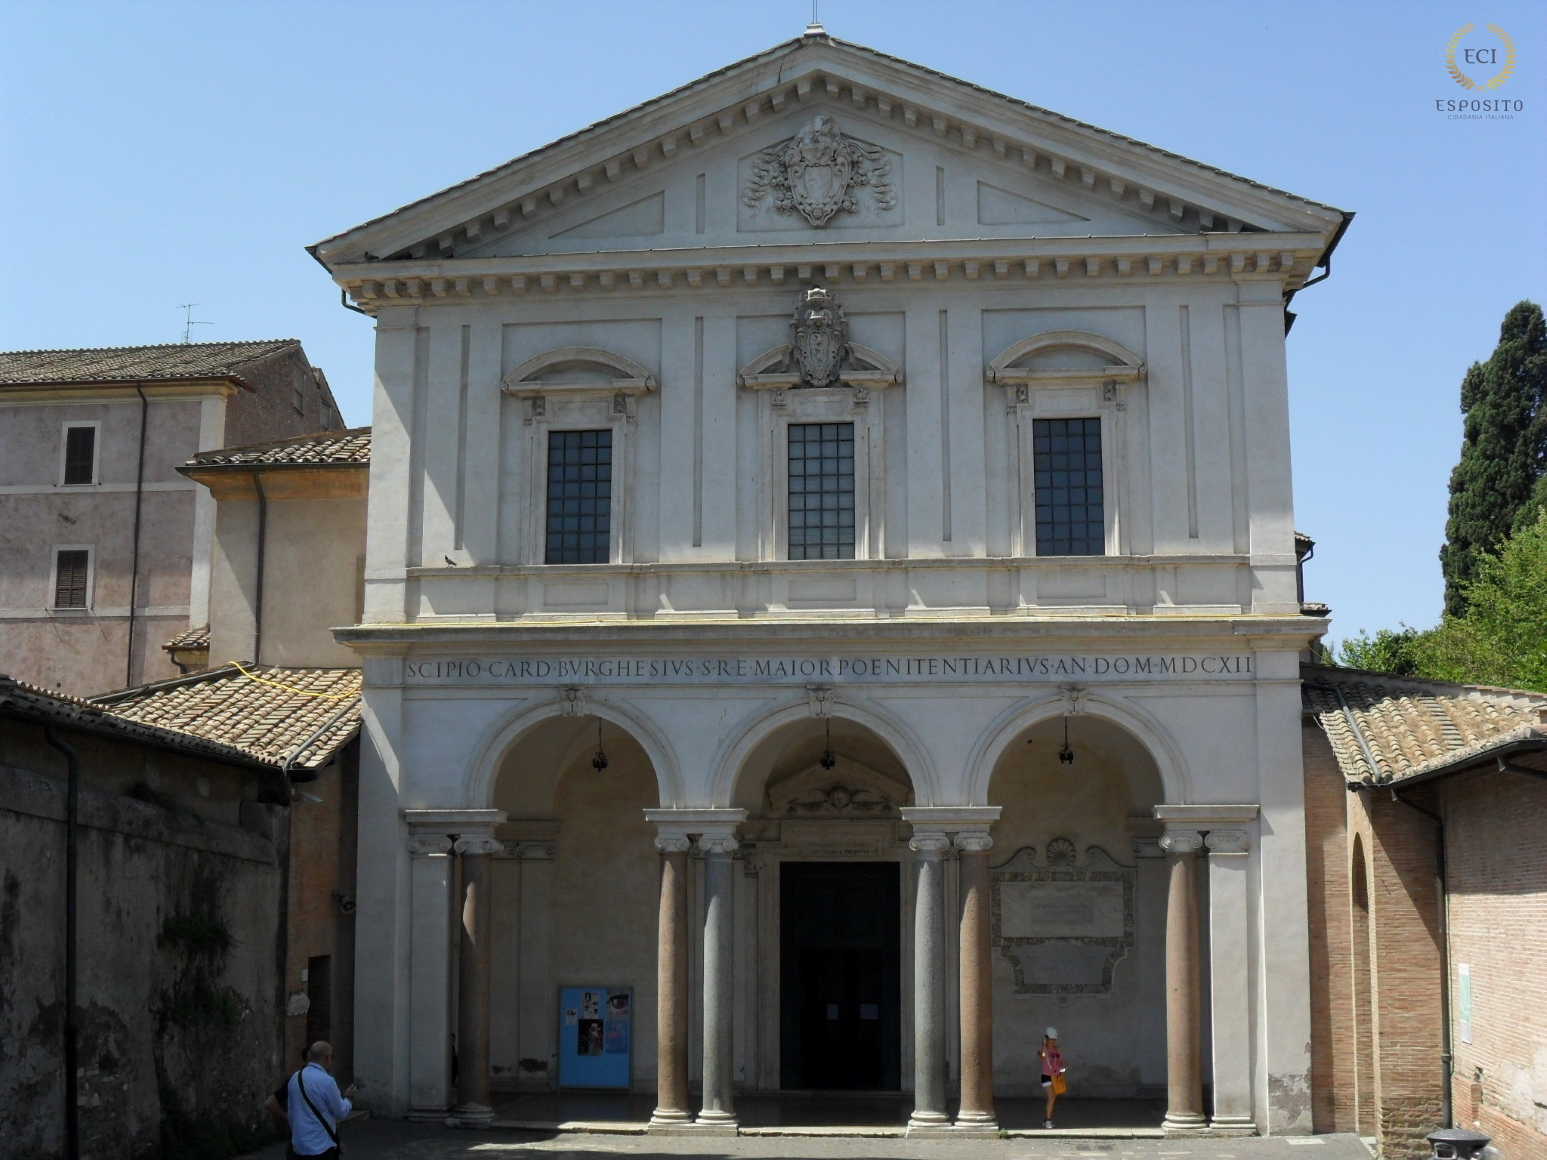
(1388, 651)
(1503, 449)
(1501, 638)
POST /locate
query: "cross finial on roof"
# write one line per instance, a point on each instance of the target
(815, 27)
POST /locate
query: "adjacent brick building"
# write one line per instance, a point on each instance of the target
(104, 547)
(1426, 830)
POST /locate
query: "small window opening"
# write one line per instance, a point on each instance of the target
(70, 578)
(579, 526)
(80, 455)
(821, 491)
(1070, 504)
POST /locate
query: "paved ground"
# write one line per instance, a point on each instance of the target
(383, 1140)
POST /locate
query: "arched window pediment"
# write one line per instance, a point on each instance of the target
(774, 370)
(578, 370)
(1109, 360)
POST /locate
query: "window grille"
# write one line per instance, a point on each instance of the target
(579, 497)
(70, 578)
(1070, 512)
(821, 491)
(80, 455)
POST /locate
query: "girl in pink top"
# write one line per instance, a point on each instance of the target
(1052, 1065)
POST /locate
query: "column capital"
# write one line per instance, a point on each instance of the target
(429, 845)
(973, 842)
(479, 844)
(1228, 842)
(1181, 841)
(673, 843)
(930, 845)
(722, 844)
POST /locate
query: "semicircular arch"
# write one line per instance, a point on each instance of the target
(484, 770)
(731, 762)
(610, 365)
(1144, 727)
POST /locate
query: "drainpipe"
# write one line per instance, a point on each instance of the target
(1446, 1057)
(257, 602)
(72, 1127)
(134, 561)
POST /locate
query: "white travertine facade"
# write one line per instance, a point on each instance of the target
(991, 272)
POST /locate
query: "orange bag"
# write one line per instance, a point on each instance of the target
(1060, 1085)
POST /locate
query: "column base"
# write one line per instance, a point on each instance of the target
(470, 1116)
(1184, 1123)
(715, 1123)
(670, 1117)
(1233, 1126)
(923, 1119)
(975, 1120)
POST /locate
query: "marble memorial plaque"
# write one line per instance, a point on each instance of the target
(1061, 909)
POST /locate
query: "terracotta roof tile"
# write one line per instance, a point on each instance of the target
(190, 641)
(181, 360)
(326, 448)
(271, 713)
(1412, 726)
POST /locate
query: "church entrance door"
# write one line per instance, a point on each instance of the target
(840, 976)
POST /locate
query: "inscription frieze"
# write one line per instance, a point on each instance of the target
(775, 670)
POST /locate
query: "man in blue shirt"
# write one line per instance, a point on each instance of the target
(314, 1106)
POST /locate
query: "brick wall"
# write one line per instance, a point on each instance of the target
(1404, 989)
(268, 411)
(1496, 855)
(1333, 1047)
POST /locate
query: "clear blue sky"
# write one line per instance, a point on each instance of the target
(160, 153)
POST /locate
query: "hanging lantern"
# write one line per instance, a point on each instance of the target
(1065, 754)
(828, 759)
(599, 759)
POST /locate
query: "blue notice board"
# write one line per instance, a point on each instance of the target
(595, 1036)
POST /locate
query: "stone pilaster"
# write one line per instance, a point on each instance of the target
(1229, 979)
(474, 846)
(429, 980)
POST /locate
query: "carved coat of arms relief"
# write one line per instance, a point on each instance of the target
(819, 338)
(817, 172)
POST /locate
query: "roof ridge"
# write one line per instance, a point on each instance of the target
(269, 444)
(153, 346)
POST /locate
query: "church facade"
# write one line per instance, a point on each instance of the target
(831, 613)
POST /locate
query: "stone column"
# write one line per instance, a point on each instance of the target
(429, 977)
(1184, 1073)
(1229, 980)
(719, 981)
(473, 1108)
(929, 1062)
(977, 999)
(671, 1103)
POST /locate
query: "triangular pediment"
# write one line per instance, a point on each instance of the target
(817, 140)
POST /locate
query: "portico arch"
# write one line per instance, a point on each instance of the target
(484, 770)
(1016, 720)
(731, 764)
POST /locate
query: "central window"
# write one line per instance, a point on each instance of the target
(821, 491)
(579, 528)
(1070, 512)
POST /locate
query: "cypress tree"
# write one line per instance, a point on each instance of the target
(1503, 448)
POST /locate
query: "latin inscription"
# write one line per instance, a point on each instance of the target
(1061, 910)
(798, 670)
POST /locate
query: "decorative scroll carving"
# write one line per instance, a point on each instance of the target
(841, 800)
(819, 337)
(1063, 927)
(816, 173)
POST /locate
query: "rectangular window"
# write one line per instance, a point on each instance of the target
(579, 497)
(80, 455)
(1070, 512)
(70, 568)
(821, 491)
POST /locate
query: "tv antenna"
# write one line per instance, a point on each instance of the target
(189, 321)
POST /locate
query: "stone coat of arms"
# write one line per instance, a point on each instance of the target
(819, 338)
(817, 172)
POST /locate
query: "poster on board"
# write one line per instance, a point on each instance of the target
(595, 1037)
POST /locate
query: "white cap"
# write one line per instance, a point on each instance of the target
(1052, 1033)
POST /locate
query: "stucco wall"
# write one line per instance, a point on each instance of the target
(177, 1034)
